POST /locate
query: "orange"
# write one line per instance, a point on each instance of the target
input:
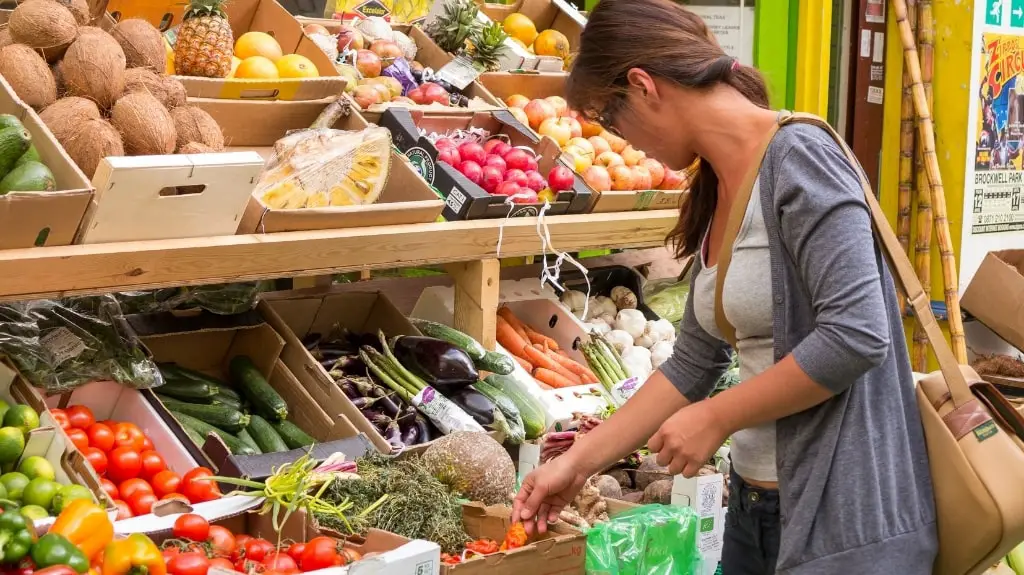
(296, 66)
(257, 44)
(257, 68)
(521, 28)
(552, 43)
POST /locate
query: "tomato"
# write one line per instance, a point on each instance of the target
(165, 482)
(129, 487)
(222, 541)
(257, 549)
(147, 444)
(280, 562)
(222, 563)
(170, 552)
(60, 417)
(80, 416)
(188, 564)
(97, 459)
(110, 488)
(350, 555)
(100, 436)
(320, 553)
(240, 541)
(124, 464)
(295, 550)
(142, 502)
(123, 510)
(196, 488)
(152, 463)
(177, 496)
(78, 437)
(192, 527)
(247, 566)
(128, 435)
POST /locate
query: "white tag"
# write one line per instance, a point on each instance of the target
(626, 389)
(447, 416)
(460, 72)
(62, 344)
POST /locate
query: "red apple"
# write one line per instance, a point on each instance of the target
(642, 178)
(517, 159)
(492, 178)
(310, 29)
(656, 169)
(622, 177)
(535, 181)
(368, 64)
(350, 39)
(417, 96)
(539, 110)
(525, 196)
(496, 161)
(517, 176)
(449, 155)
(473, 152)
(507, 188)
(472, 171)
(597, 178)
(560, 178)
(435, 93)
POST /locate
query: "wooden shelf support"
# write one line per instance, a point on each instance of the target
(476, 298)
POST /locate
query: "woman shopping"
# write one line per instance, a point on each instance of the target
(830, 471)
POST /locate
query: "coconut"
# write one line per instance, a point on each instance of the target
(195, 148)
(145, 125)
(196, 125)
(167, 90)
(44, 25)
(64, 116)
(89, 142)
(176, 94)
(29, 76)
(142, 44)
(79, 9)
(94, 67)
(473, 464)
(5, 37)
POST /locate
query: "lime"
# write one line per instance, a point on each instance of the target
(4, 406)
(40, 492)
(23, 417)
(12, 443)
(34, 512)
(3, 491)
(15, 484)
(36, 466)
(67, 494)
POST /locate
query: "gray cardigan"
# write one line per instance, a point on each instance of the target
(856, 493)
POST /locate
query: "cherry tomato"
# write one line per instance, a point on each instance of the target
(110, 488)
(222, 541)
(222, 563)
(165, 482)
(100, 436)
(280, 562)
(123, 510)
(97, 459)
(177, 496)
(80, 416)
(61, 417)
(124, 463)
(129, 487)
(350, 555)
(152, 463)
(240, 541)
(246, 566)
(257, 549)
(79, 438)
(192, 527)
(147, 444)
(320, 553)
(170, 552)
(196, 488)
(295, 550)
(188, 564)
(128, 435)
(142, 502)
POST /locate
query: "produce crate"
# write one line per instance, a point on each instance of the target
(406, 199)
(207, 343)
(994, 294)
(30, 219)
(465, 200)
(247, 16)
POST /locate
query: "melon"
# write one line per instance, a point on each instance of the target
(94, 67)
(144, 124)
(474, 465)
(44, 25)
(28, 74)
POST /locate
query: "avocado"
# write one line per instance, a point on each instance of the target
(13, 143)
(28, 177)
(9, 121)
(32, 155)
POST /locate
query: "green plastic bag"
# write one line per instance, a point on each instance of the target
(648, 540)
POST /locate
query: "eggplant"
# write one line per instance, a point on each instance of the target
(480, 408)
(423, 426)
(440, 364)
(311, 340)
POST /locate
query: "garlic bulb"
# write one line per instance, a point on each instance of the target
(638, 360)
(574, 300)
(623, 297)
(644, 341)
(660, 352)
(659, 330)
(631, 321)
(601, 305)
(598, 326)
(619, 339)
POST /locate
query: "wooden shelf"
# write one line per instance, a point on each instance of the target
(87, 269)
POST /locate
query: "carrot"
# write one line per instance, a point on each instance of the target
(537, 337)
(508, 338)
(552, 378)
(540, 359)
(526, 365)
(574, 366)
(513, 321)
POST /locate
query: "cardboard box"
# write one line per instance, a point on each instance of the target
(465, 200)
(246, 16)
(704, 495)
(296, 316)
(995, 294)
(406, 199)
(207, 343)
(30, 219)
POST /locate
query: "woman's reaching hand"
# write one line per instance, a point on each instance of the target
(545, 492)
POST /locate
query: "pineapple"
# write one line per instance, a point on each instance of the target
(203, 47)
(458, 24)
(487, 46)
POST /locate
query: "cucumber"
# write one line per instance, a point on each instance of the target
(228, 401)
(28, 177)
(453, 336)
(530, 408)
(224, 391)
(265, 401)
(516, 432)
(235, 446)
(293, 435)
(496, 362)
(194, 391)
(265, 436)
(248, 440)
(31, 155)
(222, 417)
(13, 143)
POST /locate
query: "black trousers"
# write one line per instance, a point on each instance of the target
(752, 529)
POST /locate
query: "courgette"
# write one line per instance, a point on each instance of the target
(248, 440)
(293, 435)
(453, 336)
(265, 436)
(530, 408)
(515, 432)
(227, 401)
(203, 429)
(265, 401)
(496, 362)
(194, 391)
(219, 416)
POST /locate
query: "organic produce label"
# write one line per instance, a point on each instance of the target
(447, 416)
(460, 72)
(62, 345)
(626, 389)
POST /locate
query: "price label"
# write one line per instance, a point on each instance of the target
(447, 416)
(62, 345)
(460, 72)
(625, 389)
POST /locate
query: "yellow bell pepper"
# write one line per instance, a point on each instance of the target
(86, 525)
(136, 555)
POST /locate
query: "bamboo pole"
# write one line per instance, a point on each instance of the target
(926, 132)
(906, 165)
(923, 243)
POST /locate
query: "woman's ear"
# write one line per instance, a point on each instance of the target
(642, 81)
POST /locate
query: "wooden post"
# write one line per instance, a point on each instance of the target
(312, 281)
(476, 298)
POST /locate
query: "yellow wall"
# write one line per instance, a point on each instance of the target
(953, 29)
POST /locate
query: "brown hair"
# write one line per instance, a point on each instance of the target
(670, 42)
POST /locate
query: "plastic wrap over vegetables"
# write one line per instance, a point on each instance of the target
(321, 168)
(62, 344)
(648, 540)
(221, 299)
(399, 70)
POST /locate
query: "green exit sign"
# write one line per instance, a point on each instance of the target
(994, 12)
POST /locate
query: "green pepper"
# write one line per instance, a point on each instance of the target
(53, 549)
(16, 535)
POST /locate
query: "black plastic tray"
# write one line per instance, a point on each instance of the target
(603, 279)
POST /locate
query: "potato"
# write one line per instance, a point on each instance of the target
(658, 492)
(608, 486)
